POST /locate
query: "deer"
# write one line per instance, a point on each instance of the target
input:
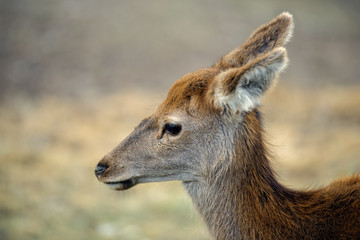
(208, 134)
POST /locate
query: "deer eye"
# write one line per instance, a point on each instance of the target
(172, 128)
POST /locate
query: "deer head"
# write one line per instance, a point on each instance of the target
(193, 131)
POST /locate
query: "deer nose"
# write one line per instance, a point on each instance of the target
(100, 169)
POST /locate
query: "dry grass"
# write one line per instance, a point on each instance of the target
(315, 133)
(48, 150)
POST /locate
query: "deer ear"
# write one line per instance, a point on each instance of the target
(272, 35)
(239, 89)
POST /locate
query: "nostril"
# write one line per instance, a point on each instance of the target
(100, 169)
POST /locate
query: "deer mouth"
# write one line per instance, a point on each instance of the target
(121, 185)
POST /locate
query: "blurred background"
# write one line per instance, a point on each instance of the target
(77, 76)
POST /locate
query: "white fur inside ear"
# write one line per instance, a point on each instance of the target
(256, 78)
(241, 100)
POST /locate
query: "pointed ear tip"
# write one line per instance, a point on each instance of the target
(286, 16)
(287, 19)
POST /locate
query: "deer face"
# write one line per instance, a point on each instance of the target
(177, 142)
(193, 130)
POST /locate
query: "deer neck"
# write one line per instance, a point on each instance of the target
(237, 200)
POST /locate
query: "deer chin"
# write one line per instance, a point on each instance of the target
(121, 185)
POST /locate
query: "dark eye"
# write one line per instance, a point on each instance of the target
(172, 128)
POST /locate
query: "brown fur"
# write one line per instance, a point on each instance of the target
(273, 211)
(264, 39)
(190, 88)
(221, 157)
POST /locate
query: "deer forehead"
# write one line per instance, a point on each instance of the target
(188, 93)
